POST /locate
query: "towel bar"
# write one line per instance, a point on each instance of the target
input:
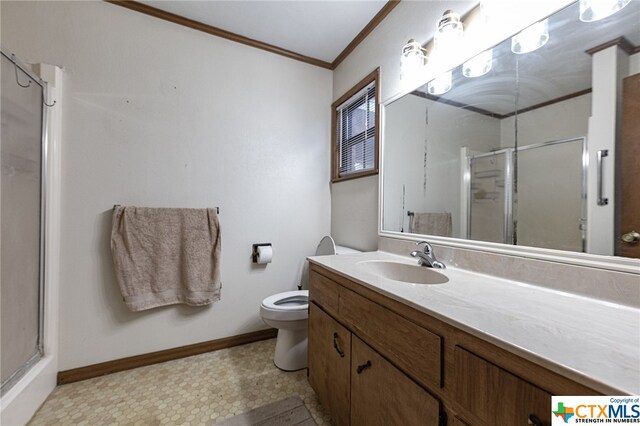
(217, 208)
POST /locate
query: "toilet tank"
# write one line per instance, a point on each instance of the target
(328, 247)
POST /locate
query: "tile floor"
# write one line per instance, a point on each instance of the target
(198, 390)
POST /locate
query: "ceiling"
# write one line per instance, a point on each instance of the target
(318, 29)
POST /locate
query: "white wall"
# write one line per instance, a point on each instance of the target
(161, 115)
(561, 120)
(354, 213)
(634, 64)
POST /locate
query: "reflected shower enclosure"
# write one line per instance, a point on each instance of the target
(544, 207)
(21, 219)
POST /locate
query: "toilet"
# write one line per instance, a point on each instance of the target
(289, 313)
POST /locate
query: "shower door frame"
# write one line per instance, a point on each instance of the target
(508, 186)
(44, 143)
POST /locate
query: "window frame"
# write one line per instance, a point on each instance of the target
(373, 77)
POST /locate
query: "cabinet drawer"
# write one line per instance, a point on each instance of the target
(324, 292)
(382, 395)
(495, 395)
(411, 347)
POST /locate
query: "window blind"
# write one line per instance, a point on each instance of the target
(356, 130)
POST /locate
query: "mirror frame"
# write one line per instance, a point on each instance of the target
(612, 263)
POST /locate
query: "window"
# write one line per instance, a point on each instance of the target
(355, 131)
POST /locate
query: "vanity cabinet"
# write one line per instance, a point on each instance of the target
(495, 395)
(376, 361)
(329, 363)
(382, 395)
(413, 348)
(354, 382)
(357, 385)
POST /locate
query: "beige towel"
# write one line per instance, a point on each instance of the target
(166, 256)
(431, 224)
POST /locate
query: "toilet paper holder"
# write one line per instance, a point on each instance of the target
(254, 253)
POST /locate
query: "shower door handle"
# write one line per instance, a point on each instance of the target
(600, 155)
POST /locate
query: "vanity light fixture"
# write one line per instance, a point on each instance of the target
(440, 84)
(594, 10)
(449, 32)
(478, 65)
(412, 60)
(531, 38)
(447, 41)
(447, 45)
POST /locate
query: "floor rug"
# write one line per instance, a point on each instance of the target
(287, 412)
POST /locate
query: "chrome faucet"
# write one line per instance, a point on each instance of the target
(426, 257)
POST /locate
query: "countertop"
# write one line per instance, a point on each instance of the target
(590, 341)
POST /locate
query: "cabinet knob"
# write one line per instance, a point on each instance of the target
(336, 345)
(363, 367)
(534, 420)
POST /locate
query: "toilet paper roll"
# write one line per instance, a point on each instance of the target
(265, 254)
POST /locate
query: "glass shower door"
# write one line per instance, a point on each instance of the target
(551, 195)
(489, 217)
(20, 223)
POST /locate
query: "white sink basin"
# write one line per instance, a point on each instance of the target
(404, 272)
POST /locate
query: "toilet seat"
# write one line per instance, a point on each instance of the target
(287, 306)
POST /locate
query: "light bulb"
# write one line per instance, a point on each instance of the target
(531, 38)
(478, 65)
(449, 32)
(594, 10)
(440, 84)
(412, 60)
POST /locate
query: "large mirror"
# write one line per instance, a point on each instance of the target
(541, 151)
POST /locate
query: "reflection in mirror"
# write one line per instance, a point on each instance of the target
(538, 151)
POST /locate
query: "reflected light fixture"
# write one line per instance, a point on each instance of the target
(478, 65)
(531, 38)
(412, 60)
(440, 84)
(594, 10)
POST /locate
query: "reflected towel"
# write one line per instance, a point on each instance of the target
(166, 256)
(439, 224)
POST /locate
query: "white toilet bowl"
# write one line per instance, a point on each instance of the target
(288, 312)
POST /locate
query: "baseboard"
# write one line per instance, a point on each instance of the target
(122, 364)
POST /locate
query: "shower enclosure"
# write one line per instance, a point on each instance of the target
(22, 156)
(490, 205)
(541, 204)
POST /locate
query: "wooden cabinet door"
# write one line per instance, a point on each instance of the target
(382, 395)
(329, 363)
(628, 178)
(455, 421)
(495, 395)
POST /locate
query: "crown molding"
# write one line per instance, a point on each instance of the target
(375, 21)
(219, 32)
